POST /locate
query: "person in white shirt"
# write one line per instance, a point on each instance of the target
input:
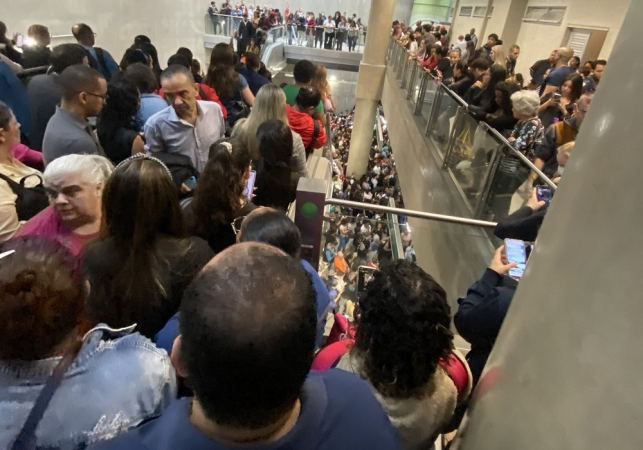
(329, 33)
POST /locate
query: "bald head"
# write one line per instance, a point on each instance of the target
(83, 34)
(248, 332)
(565, 54)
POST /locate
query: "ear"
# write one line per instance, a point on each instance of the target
(82, 98)
(175, 358)
(3, 135)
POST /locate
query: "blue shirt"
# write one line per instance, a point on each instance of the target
(323, 301)
(110, 67)
(14, 94)
(338, 411)
(150, 105)
(255, 81)
(557, 76)
(166, 132)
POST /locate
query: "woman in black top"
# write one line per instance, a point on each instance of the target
(503, 118)
(462, 79)
(276, 182)
(484, 101)
(143, 261)
(118, 122)
(220, 203)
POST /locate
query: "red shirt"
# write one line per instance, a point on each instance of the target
(210, 96)
(304, 124)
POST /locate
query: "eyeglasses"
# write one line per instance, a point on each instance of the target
(104, 97)
(236, 225)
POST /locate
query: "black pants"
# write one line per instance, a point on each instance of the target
(319, 37)
(339, 40)
(328, 43)
(242, 44)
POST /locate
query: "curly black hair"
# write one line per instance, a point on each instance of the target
(402, 330)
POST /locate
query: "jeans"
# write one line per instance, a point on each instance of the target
(309, 39)
(300, 37)
(216, 25)
(292, 34)
(351, 43)
(319, 37)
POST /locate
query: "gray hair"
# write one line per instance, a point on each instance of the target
(94, 169)
(526, 103)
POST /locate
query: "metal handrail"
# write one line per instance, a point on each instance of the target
(411, 213)
(516, 153)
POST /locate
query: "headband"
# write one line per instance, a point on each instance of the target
(145, 156)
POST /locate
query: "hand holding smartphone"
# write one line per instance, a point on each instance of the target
(515, 251)
(250, 185)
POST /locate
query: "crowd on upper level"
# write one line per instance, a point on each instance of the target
(250, 24)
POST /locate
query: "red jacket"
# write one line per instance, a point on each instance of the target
(304, 124)
(210, 96)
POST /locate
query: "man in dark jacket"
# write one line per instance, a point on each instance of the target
(481, 313)
(245, 33)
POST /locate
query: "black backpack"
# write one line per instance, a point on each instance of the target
(30, 201)
(180, 167)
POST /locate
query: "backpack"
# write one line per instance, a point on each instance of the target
(29, 201)
(180, 167)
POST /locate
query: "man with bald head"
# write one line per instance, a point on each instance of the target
(246, 346)
(560, 71)
(100, 59)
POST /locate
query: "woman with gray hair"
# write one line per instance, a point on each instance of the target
(74, 186)
(512, 172)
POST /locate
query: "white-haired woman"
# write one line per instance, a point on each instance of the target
(74, 185)
(513, 173)
(270, 104)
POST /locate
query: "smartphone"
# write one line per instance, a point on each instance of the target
(250, 185)
(190, 183)
(543, 193)
(19, 40)
(515, 251)
(364, 277)
(557, 96)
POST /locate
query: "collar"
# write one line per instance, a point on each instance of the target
(152, 96)
(72, 118)
(44, 367)
(173, 117)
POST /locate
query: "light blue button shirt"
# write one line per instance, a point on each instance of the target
(150, 105)
(166, 132)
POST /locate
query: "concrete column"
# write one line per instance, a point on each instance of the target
(513, 22)
(370, 83)
(565, 369)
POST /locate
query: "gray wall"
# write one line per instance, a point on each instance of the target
(455, 255)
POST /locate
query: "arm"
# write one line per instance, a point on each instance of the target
(27, 156)
(15, 67)
(321, 139)
(522, 224)
(138, 146)
(321, 116)
(549, 89)
(246, 93)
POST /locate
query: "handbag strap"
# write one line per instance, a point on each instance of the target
(26, 439)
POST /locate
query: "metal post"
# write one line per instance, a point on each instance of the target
(483, 195)
(460, 114)
(434, 109)
(411, 86)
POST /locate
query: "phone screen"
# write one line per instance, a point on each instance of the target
(364, 276)
(543, 193)
(250, 185)
(190, 183)
(515, 250)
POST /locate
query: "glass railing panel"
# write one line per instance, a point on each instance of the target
(443, 120)
(430, 89)
(221, 25)
(414, 87)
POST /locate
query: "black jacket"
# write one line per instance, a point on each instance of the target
(246, 31)
(481, 314)
(523, 224)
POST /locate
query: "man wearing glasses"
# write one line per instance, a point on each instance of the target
(83, 93)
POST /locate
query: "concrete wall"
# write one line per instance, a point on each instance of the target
(170, 24)
(537, 40)
(455, 255)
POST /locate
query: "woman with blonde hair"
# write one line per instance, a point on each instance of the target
(320, 82)
(270, 104)
(498, 56)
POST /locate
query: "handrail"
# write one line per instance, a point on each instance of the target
(524, 159)
(411, 213)
(394, 233)
(27, 73)
(327, 151)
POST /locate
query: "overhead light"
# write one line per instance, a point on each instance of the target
(332, 78)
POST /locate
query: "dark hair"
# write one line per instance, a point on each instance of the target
(577, 85)
(252, 61)
(142, 77)
(274, 140)
(65, 55)
(443, 51)
(248, 333)
(599, 62)
(264, 71)
(181, 60)
(507, 89)
(81, 31)
(591, 63)
(120, 109)
(218, 193)
(426, 27)
(480, 64)
(186, 52)
(402, 329)
(133, 56)
(273, 227)
(493, 36)
(42, 298)
(304, 71)
(221, 75)
(467, 37)
(78, 78)
(144, 44)
(177, 69)
(496, 75)
(140, 205)
(142, 38)
(276, 183)
(5, 115)
(308, 97)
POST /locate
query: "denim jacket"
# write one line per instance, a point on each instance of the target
(117, 380)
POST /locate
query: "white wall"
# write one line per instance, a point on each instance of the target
(169, 23)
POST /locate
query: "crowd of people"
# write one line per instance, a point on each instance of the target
(250, 24)
(537, 117)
